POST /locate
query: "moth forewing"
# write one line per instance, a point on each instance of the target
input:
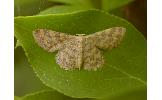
(49, 40)
(109, 38)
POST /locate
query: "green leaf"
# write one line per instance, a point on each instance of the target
(112, 4)
(74, 2)
(25, 80)
(48, 95)
(53, 95)
(125, 67)
(16, 98)
(134, 95)
(83, 3)
(17, 44)
(64, 9)
(30, 7)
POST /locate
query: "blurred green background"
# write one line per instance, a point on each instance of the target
(25, 81)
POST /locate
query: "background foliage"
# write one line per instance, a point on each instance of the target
(130, 76)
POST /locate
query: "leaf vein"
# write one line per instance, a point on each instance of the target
(129, 75)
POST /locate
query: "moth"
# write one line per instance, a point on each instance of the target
(79, 51)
